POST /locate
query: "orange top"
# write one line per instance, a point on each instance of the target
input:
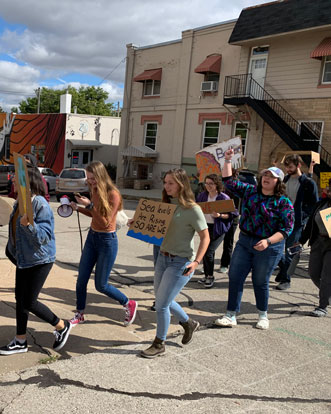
(100, 223)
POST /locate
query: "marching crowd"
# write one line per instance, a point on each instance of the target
(275, 217)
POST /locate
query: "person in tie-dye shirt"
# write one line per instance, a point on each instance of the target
(267, 219)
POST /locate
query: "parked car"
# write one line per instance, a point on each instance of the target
(6, 172)
(70, 181)
(247, 176)
(50, 177)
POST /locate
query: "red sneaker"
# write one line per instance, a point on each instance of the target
(78, 318)
(130, 312)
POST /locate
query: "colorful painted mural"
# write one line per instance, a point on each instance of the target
(40, 134)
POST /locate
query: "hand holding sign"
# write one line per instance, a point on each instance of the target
(211, 159)
(151, 221)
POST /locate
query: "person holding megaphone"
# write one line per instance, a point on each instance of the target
(101, 244)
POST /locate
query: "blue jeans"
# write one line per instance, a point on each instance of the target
(168, 282)
(286, 258)
(245, 259)
(100, 249)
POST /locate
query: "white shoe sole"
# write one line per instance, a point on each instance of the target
(65, 339)
(133, 318)
(225, 322)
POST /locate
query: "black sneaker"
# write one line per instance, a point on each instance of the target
(283, 286)
(14, 347)
(202, 281)
(62, 336)
(209, 283)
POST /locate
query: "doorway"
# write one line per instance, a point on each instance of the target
(258, 64)
(80, 158)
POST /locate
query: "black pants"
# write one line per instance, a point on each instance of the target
(228, 245)
(29, 283)
(208, 259)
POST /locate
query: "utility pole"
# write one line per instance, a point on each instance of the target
(118, 108)
(38, 106)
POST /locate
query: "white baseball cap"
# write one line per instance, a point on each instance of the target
(276, 172)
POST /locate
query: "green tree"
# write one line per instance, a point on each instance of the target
(14, 109)
(1, 110)
(88, 100)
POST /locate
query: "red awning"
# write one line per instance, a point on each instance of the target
(151, 74)
(211, 64)
(323, 49)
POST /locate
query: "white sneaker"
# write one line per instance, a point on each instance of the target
(223, 269)
(226, 321)
(263, 323)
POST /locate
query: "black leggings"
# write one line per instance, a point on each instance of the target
(29, 283)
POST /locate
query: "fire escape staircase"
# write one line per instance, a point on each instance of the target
(244, 90)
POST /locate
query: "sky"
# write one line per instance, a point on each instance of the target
(56, 43)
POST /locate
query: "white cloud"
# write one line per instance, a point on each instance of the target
(70, 36)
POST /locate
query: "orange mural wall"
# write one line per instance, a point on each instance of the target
(40, 134)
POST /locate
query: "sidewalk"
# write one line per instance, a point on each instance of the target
(286, 369)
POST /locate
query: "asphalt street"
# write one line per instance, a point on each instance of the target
(286, 369)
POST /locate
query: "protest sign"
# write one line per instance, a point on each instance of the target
(6, 207)
(324, 179)
(219, 206)
(151, 221)
(210, 160)
(326, 218)
(23, 187)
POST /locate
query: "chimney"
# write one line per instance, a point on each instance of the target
(65, 103)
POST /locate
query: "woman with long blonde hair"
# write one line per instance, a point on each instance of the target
(101, 244)
(176, 261)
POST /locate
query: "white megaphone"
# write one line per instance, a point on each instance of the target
(65, 209)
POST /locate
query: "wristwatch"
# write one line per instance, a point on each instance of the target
(89, 207)
(269, 241)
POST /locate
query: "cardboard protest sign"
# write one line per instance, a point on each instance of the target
(151, 221)
(6, 207)
(326, 218)
(219, 206)
(315, 156)
(210, 160)
(324, 179)
(23, 187)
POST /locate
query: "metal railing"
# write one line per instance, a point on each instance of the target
(241, 86)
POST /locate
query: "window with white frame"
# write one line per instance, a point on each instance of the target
(151, 134)
(241, 129)
(152, 87)
(326, 77)
(210, 133)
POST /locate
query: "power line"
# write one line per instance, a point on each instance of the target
(122, 61)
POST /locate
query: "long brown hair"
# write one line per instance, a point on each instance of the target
(104, 187)
(279, 190)
(185, 194)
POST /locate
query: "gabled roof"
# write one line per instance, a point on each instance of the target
(280, 17)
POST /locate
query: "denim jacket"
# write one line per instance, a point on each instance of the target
(35, 244)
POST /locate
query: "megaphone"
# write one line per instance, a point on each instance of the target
(65, 209)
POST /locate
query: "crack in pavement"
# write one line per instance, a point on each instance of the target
(46, 378)
(16, 396)
(42, 349)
